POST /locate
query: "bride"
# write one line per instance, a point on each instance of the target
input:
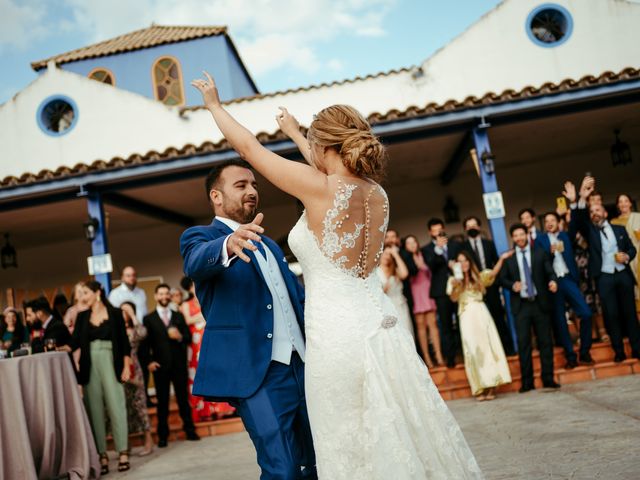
(374, 411)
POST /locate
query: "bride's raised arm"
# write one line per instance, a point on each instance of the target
(300, 180)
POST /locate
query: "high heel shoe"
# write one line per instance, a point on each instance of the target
(104, 464)
(123, 465)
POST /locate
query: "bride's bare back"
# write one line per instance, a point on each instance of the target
(350, 222)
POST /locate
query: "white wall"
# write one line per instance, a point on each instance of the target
(493, 55)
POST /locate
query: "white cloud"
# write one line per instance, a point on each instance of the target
(20, 25)
(270, 34)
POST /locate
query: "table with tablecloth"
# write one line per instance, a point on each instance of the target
(44, 430)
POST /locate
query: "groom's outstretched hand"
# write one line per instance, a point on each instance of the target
(239, 240)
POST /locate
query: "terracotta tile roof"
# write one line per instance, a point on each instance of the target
(144, 38)
(318, 86)
(490, 98)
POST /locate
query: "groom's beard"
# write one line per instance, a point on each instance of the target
(242, 211)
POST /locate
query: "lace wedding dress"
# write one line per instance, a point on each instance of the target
(375, 413)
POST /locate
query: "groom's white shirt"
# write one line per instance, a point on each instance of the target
(287, 335)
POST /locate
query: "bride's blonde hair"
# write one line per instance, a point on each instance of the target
(342, 127)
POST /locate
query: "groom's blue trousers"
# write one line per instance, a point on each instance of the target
(277, 421)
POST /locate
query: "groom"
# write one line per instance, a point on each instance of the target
(253, 347)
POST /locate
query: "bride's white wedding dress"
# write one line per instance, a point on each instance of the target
(375, 413)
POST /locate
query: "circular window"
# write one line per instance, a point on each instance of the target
(57, 115)
(549, 25)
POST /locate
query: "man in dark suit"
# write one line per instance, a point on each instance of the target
(166, 346)
(439, 255)
(558, 245)
(529, 275)
(610, 251)
(528, 218)
(485, 254)
(39, 313)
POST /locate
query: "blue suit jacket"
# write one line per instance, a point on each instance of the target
(544, 242)
(582, 223)
(237, 305)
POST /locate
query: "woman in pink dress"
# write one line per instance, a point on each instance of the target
(200, 408)
(424, 307)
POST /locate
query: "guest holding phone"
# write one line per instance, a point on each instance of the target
(485, 362)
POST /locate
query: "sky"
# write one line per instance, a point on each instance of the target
(284, 43)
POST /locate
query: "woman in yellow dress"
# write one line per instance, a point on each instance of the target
(485, 362)
(631, 221)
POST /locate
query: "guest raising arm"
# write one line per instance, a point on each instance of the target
(485, 362)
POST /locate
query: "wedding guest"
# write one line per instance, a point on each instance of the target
(392, 272)
(105, 364)
(424, 307)
(630, 219)
(176, 299)
(190, 309)
(439, 255)
(391, 238)
(529, 275)
(528, 218)
(128, 291)
(610, 253)
(559, 246)
(587, 285)
(77, 306)
(594, 198)
(38, 312)
(167, 340)
(485, 362)
(134, 389)
(60, 305)
(485, 255)
(13, 331)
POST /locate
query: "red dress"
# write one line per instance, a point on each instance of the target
(200, 409)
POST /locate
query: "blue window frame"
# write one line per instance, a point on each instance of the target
(57, 115)
(549, 25)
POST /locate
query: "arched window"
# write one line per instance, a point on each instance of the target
(102, 75)
(167, 81)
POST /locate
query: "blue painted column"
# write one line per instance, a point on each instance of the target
(498, 228)
(99, 246)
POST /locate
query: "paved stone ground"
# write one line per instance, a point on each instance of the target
(584, 431)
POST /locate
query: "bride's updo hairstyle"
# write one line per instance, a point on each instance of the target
(342, 127)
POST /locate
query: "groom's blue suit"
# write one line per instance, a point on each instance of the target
(235, 357)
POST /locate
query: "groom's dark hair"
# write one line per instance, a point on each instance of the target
(214, 174)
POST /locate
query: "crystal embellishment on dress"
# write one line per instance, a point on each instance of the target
(389, 321)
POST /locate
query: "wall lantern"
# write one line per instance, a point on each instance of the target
(488, 163)
(620, 151)
(451, 211)
(91, 228)
(8, 257)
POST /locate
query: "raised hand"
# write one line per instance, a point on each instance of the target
(239, 240)
(287, 122)
(208, 90)
(587, 187)
(569, 191)
(507, 254)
